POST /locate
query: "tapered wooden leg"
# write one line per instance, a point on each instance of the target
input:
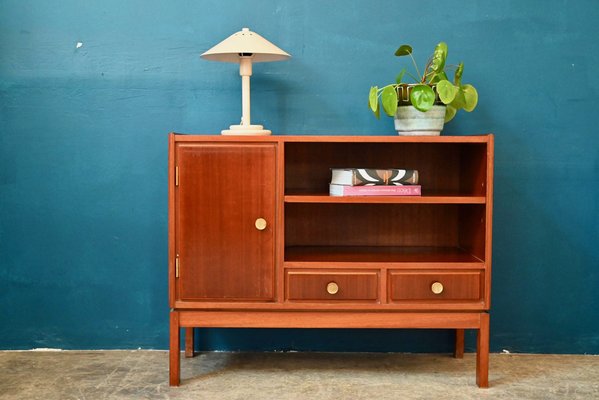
(482, 352)
(174, 350)
(459, 344)
(189, 347)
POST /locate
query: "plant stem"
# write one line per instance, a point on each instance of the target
(428, 65)
(413, 77)
(415, 66)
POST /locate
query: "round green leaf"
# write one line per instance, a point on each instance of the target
(438, 77)
(373, 99)
(422, 97)
(470, 97)
(439, 57)
(447, 91)
(404, 50)
(459, 101)
(450, 112)
(389, 100)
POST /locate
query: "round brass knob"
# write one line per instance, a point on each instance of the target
(332, 288)
(437, 288)
(260, 224)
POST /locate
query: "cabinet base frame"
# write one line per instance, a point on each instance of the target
(333, 319)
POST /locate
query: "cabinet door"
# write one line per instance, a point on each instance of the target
(224, 253)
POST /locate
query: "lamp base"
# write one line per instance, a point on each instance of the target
(248, 130)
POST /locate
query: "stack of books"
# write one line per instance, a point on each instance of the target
(374, 182)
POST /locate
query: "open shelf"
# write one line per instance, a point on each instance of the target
(389, 228)
(448, 172)
(379, 254)
(424, 199)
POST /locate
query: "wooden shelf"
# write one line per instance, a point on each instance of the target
(425, 199)
(379, 254)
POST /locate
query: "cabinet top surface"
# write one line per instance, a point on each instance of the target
(178, 137)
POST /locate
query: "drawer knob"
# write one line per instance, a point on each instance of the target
(332, 288)
(437, 288)
(260, 224)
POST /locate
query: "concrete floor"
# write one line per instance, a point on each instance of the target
(245, 376)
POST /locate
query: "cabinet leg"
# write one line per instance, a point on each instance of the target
(482, 352)
(189, 345)
(174, 349)
(459, 344)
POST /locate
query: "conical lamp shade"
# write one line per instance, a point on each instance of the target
(245, 42)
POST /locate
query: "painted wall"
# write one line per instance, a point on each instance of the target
(83, 152)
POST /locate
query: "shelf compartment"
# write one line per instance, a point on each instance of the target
(456, 169)
(362, 255)
(461, 226)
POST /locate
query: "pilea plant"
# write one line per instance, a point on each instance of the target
(422, 95)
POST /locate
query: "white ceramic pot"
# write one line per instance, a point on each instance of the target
(411, 122)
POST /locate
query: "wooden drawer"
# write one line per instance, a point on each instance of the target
(435, 285)
(360, 286)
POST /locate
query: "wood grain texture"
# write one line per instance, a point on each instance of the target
(311, 285)
(416, 285)
(409, 225)
(316, 319)
(222, 190)
(483, 138)
(459, 344)
(280, 226)
(189, 343)
(172, 287)
(451, 257)
(427, 198)
(174, 349)
(489, 217)
(482, 352)
(447, 305)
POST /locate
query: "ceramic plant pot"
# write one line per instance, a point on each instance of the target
(411, 122)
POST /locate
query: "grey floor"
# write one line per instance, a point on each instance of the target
(245, 376)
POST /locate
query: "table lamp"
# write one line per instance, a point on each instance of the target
(245, 47)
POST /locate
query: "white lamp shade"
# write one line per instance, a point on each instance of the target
(245, 42)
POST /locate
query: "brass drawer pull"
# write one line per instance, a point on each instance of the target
(332, 288)
(437, 288)
(260, 224)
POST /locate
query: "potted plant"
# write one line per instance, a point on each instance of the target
(421, 108)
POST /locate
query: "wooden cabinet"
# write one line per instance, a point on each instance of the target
(256, 241)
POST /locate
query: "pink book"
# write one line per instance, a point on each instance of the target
(378, 190)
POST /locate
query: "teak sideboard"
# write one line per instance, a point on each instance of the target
(255, 240)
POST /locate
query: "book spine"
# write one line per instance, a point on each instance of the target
(381, 190)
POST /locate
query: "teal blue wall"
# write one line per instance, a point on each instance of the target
(83, 153)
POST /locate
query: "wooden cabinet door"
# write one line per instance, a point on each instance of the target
(223, 190)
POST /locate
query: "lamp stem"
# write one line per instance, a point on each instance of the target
(245, 70)
(246, 127)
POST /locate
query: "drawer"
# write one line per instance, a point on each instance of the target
(360, 286)
(435, 285)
